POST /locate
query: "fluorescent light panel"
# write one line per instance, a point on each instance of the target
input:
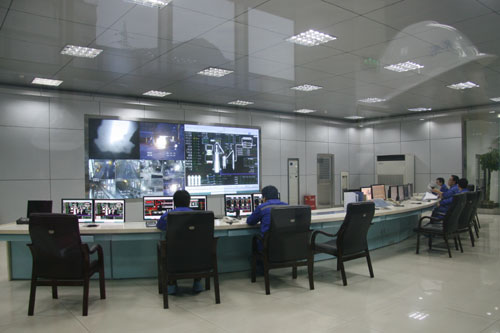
(157, 93)
(80, 51)
(240, 103)
(307, 87)
(354, 117)
(463, 85)
(311, 38)
(495, 99)
(372, 100)
(404, 67)
(420, 109)
(305, 111)
(215, 72)
(46, 82)
(151, 3)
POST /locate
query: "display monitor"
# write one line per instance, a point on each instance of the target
(83, 208)
(256, 200)
(39, 206)
(221, 160)
(406, 192)
(198, 202)
(238, 204)
(378, 192)
(393, 193)
(367, 192)
(155, 207)
(107, 210)
(401, 193)
(410, 190)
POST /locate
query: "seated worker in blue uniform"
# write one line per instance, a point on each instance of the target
(181, 202)
(442, 186)
(447, 197)
(262, 213)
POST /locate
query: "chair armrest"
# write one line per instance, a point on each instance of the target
(317, 232)
(426, 217)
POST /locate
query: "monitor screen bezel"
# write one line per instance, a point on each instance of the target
(91, 202)
(110, 221)
(385, 194)
(238, 194)
(396, 194)
(39, 201)
(407, 194)
(153, 196)
(201, 197)
(253, 200)
(399, 198)
(364, 195)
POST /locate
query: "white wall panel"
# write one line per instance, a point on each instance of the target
(270, 125)
(414, 130)
(316, 131)
(66, 189)
(26, 111)
(421, 150)
(387, 133)
(121, 110)
(387, 148)
(446, 127)
(312, 151)
(338, 134)
(70, 114)
(166, 113)
(446, 156)
(202, 117)
(15, 194)
(67, 154)
(271, 165)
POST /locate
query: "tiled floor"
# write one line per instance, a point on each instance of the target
(410, 293)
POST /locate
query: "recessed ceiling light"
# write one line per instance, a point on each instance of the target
(305, 111)
(46, 82)
(422, 119)
(311, 38)
(151, 3)
(354, 117)
(240, 103)
(495, 99)
(418, 315)
(498, 115)
(306, 87)
(463, 85)
(372, 100)
(404, 67)
(157, 93)
(80, 51)
(420, 109)
(215, 72)
(492, 111)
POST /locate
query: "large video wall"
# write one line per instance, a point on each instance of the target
(132, 159)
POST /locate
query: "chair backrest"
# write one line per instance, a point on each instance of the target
(479, 194)
(450, 220)
(466, 215)
(289, 233)
(351, 237)
(56, 245)
(190, 241)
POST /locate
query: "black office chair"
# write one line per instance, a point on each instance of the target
(350, 241)
(60, 258)
(189, 251)
(285, 244)
(465, 221)
(476, 224)
(445, 227)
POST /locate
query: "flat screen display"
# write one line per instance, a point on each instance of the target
(39, 206)
(235, 203)
(410, 190)
(256, 200)
(109, 210)
(406, 191)
(198, 202)
(393, 193)
(401, 193)
(155, 207)
(378, 192)
(367, 192)
(83, 208)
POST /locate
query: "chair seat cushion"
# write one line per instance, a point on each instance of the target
(327, 247)
(432, 227)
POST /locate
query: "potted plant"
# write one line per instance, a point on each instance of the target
(489, 161)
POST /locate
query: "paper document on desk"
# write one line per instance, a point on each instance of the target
(429, 196)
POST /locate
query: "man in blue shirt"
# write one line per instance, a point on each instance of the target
(461, 186)
(181, 202)
(442, 186)
(446, 197)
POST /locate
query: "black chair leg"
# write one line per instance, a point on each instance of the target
(417, 250)
(102, 283)
(447, 245)
(158, 260)
(476, 228)
(460, 243)
(164, 288)
(294, 272)
(342, 272)
(31, 306)
(207, 283)
(456, 243)
(430, 242)
(254, 268)
(216, 287)
(369, 262)
(477, 221)
(266, 277)
(471, 235)
(54, 289)
(310, 270)
(86, 282)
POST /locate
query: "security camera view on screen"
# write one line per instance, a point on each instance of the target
(218, 157)
(131, 159)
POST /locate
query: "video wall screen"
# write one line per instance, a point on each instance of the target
(133, 159)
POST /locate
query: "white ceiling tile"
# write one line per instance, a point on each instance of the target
(227, 9)
(339, 64)
(24, 51)
(493, 4)
(86, 79)
(362, 6)
(479, 29)
(301, 75)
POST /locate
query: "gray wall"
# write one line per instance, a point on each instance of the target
(42, 146)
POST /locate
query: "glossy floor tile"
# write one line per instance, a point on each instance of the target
(428, 292)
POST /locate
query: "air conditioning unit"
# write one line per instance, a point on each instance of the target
(395, 169)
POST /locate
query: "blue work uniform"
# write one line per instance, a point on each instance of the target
(446, 200)
(162, 222)
(444, 188)
(262, 214)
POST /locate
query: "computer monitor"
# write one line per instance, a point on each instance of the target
(83, 208)
(367, 192)
(406, 191)
(256, 200)
(378, 192)
(401, 193)
(39, 206)
(109, 210)
(393, 193)
(410, 190)
(155, 207)
(198, 202)
(235, 203)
